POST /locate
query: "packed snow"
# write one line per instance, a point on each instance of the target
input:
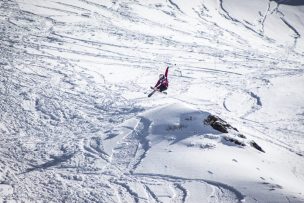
(76, 123)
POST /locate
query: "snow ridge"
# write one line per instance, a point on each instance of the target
(227, 15)
(265, 16)
(297, 34)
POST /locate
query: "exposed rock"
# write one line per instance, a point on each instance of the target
(255, 145)
(241, 136)
(235, 141)
(218, 124)
(222, 126)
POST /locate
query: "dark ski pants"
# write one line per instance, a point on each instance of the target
(162, 88)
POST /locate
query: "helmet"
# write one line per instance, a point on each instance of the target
(161, 76)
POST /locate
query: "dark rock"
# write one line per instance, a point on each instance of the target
(220, 127)
(218, 124)
(255, 145)
(235, 141)
(241, 136)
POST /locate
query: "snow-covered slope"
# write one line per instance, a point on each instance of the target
(76, 124)
(269, 19)
(188, 152)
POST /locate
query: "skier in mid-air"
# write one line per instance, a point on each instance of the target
(162, 84)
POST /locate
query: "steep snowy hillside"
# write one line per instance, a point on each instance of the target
(76, 124)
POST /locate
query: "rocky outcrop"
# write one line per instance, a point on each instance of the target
(218, 124)
(234, 141)
(235, 138)
(256, 146)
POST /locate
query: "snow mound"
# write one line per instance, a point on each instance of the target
(176, 122)
(179, 123)
(175, 143)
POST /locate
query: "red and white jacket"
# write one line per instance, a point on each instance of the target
(163, 82)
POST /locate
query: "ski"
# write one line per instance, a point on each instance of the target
(152, 93)
(155, 90)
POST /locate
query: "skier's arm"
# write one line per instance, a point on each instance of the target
(166, 73)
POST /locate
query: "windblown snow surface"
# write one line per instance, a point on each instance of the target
(76, 124)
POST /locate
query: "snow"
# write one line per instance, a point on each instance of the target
(76, 124)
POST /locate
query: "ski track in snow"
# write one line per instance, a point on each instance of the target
(297, 34)
(128, 154)
(58, 110)
(265, 16)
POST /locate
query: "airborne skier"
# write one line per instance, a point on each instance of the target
(162, 84)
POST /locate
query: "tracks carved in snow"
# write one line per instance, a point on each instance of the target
(221, 191)
(132, 150)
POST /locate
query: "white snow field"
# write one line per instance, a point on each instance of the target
(76, 124)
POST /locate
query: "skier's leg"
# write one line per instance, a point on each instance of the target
(162, 88)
